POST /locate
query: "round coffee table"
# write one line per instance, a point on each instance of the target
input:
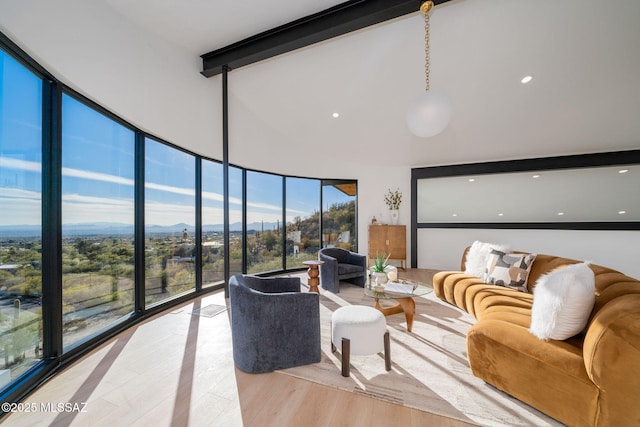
(404, 301)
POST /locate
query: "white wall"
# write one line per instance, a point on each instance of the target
(442, 248)
(373, 184)
(145, 80)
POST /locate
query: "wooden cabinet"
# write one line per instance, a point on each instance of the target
(388, 239)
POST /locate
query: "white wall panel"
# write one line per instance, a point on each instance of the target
(442, 248)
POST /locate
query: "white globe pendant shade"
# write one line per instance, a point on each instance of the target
(429, 114)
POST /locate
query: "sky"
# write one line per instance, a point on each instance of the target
(98, 157)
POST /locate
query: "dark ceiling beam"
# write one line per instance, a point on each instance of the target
(333, 22)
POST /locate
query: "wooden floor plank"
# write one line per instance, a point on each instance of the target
(177, 369)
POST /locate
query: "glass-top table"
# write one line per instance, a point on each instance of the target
(404, 300)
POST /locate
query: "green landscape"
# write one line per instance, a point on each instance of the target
(98, 274)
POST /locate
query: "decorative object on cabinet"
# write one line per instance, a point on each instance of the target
(393, 199)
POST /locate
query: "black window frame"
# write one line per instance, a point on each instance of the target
(55, 357)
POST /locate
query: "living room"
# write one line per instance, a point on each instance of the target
(480, 50)
(583, 97)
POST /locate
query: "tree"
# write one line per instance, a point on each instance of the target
(270, 240)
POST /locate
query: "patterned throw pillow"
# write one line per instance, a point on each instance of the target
(509, 270)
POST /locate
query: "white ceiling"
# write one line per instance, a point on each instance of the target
(584, 56)
(201, 26)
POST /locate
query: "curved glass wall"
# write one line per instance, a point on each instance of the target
(20, 219)
(98, 168)
(113, 196)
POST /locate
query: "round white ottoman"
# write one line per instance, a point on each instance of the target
(359, 330)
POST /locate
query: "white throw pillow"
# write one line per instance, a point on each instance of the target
(478, 256)
(562, 302)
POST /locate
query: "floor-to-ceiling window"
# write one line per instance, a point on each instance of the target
(236, 223)
(302, 220)
(98, 168)
(76, 185)
(212, 223)
(339, 214)
(264, 222)
(20, 219)
(169, 221)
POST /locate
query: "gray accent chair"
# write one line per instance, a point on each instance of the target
(341, 264)
(273, 324)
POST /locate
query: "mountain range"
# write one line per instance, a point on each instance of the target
(119, 229)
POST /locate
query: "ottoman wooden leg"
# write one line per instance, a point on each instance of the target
(387, 352)
(346, 349)
(333, 347)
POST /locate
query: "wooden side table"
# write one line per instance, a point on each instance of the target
(314, 274)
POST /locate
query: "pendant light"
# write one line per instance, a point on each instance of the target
(430, 112)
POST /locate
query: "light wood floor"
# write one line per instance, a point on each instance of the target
(176, 369)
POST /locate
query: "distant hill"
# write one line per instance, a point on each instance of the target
(12, 231)
(334, 220)
(120, 229)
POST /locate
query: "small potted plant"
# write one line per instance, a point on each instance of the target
(393, 200)
(378, 269)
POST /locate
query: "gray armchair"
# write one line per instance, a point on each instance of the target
(341, 264)
(273, 324)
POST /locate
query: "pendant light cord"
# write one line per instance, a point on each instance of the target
(425, 8)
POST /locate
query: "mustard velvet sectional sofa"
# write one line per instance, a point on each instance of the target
(590, 379)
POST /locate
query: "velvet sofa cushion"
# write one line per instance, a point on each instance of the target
(451, 286)
(346, 269)
(612, 359)
(549, 376)
(588, 379)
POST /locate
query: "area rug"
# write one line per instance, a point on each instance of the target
(429, 366)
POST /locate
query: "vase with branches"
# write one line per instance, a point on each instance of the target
(393, 199)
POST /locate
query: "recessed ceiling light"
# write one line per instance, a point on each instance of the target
(501, 214)
(622, 212)
(623, 171)
(526, 79)
(535, 176)
(336, 115)
(560, 213)
(472, 179)
(454, 215)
